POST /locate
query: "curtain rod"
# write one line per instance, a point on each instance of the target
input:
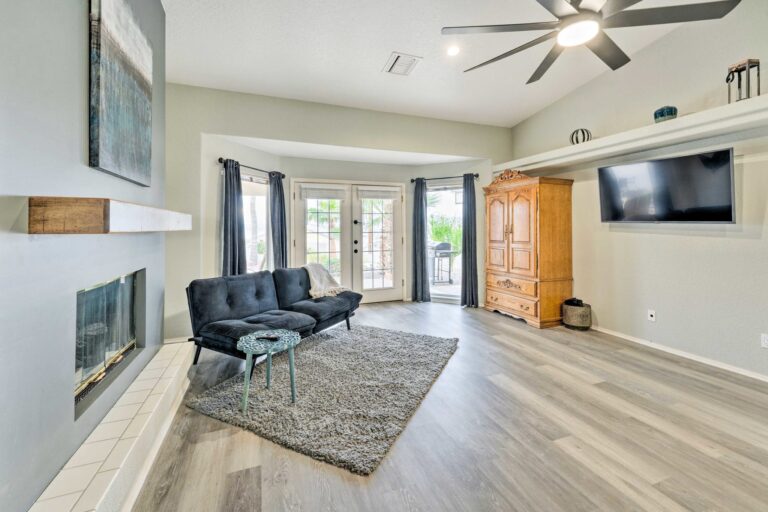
(443, 178)
(221, 161)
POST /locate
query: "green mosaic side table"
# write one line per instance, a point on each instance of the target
(256, 344)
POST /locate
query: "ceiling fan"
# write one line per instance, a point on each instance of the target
(578, 26)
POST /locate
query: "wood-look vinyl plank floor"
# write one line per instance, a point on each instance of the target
(521, 419)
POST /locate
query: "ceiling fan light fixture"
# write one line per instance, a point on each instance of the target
(579, 31)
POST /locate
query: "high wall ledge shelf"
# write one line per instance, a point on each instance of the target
(84, 215)
(743, 125)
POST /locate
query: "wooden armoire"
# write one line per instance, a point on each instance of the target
(528, 259)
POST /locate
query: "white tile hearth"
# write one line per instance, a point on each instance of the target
(108, 467)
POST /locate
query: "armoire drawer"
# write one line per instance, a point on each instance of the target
(512, 284)
(512, 303)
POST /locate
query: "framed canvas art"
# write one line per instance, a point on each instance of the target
(120, 139)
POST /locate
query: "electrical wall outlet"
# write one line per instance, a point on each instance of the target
(651, 315)
(764, 340)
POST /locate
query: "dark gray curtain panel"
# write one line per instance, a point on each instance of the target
(233, 260)
(469, 245)
(277, 219)
(420, 267)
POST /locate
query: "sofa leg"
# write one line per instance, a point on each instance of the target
(349, 328)
(197, 354)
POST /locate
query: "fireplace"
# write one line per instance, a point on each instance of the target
(105, 331)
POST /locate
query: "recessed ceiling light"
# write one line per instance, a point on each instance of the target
(453, 51)
(577, 33)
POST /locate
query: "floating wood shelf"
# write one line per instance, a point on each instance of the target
(83, 215)
(736, 125)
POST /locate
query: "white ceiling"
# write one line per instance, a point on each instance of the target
(334, 51)
(345, 153)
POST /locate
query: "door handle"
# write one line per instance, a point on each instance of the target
(355, 251)
(355, 221)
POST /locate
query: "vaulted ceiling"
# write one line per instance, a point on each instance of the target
(334, 52)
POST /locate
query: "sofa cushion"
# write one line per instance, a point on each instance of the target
(279, 319)
(322, 308)
(291, 286)
(229, 332)
(353, 298)
(229, 298)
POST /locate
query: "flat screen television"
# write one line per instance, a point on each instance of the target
(694, 188)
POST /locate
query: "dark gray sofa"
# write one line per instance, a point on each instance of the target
(224, 309)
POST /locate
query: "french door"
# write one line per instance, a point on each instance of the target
(355, 231)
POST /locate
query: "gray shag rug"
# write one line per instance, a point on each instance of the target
(356, 390)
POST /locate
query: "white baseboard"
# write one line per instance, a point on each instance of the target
(183, 339)
(686, 355)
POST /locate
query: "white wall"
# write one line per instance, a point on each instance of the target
(199, 120)
(707, 283)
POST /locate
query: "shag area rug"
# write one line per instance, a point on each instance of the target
(355, 392)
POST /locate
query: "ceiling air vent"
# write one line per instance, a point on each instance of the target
(401, 63)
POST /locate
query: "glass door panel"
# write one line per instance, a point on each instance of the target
(321, 228)
(377, 244)
(323, 234)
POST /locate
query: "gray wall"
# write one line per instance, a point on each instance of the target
(44, 151)
(194, 114)
(707, 283)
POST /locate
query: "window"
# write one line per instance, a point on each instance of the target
(258, 250)
(444, 214)
(323, 220)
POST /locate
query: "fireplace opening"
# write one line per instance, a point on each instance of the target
(105, 332)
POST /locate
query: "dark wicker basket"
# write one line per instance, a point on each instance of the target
(577, 317)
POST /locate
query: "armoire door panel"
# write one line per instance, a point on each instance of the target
(496, 218)
(522, 262)
(497, 207)
(522, 231)
(496, 258)
(521, 220)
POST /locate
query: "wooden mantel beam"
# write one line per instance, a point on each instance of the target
(84, 215)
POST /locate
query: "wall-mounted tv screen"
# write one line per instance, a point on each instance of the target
(695, 188)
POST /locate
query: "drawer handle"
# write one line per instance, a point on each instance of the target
(525, 308)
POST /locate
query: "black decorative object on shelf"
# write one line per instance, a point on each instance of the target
(665, 114)
(581, 135)
(741, 73)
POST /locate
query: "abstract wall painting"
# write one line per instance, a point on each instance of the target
(120, 139)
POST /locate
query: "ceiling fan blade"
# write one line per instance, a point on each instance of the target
(612, 7)
(553, 54)
(576, 3)
(559, 8)
(674, 14)
(490, 29)
(608, 51)
(529, 44)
